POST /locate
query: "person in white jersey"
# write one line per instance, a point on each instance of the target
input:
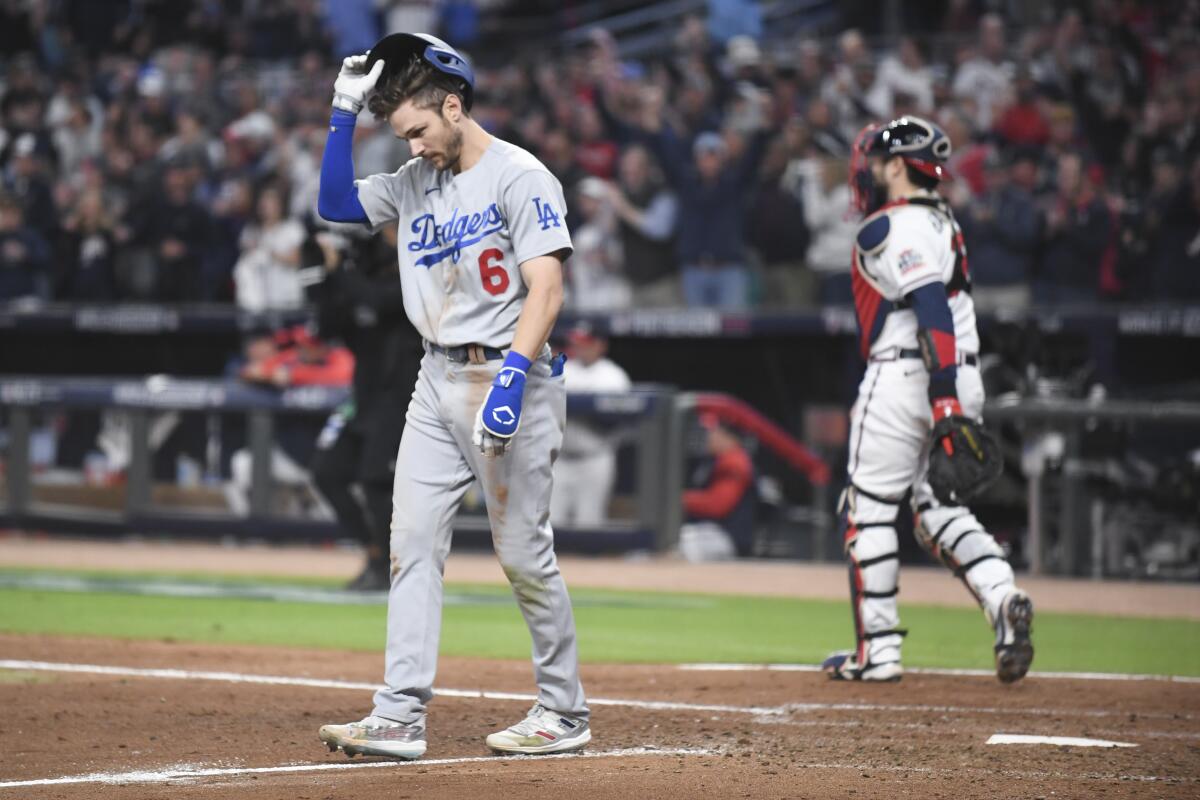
(587, 467)
(482, 240)
(917, 333)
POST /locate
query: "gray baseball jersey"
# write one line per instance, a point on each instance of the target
(463, 238)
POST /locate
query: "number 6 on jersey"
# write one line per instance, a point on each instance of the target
(494, 276)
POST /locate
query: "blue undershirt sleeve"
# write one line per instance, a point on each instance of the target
(935, 335)
(337, 198)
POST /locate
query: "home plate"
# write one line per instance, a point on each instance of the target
(1066, 741)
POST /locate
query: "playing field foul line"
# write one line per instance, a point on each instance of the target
(190, 773)
(648, 705)
(985, 673)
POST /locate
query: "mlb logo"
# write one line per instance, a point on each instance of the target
(910, 260)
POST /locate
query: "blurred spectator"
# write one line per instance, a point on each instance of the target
(712, 187)
(359, 301)
(595, 153)
(983, 80)
(824, 194)
(24, 257)
(1001, 226)
(777, 232)
(1063, 139)
(647, 215)
(719, 515)
(906, 73)
(557, 153)
(853, 90)
(24, 180)
(1077, 236)
(1020, 121)
(587, 465)
(86, 257)
(233, 210)
(192, 143)
(966, 158)
(175, 229)
(596, 281)
(77, 138)
(267, 274)
(1160, 237)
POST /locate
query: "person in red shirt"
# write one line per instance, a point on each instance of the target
(301, 360)
(720, 516)
(294, 357)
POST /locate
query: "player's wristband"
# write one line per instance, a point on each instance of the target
(942, 383)
(344, 102)
(515, 360)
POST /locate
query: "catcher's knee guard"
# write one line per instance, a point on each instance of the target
(953, 536)
(872, 548)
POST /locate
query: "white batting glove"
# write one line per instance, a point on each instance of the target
(354, 83)
(488, 443)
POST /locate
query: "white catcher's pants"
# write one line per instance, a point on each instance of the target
(889, 452)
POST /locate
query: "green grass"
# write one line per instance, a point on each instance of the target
(616, 627)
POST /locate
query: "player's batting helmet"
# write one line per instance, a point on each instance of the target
(923, 145)
(398, 49)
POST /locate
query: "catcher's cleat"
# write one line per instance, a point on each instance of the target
(375, 736)
(842, 666)
(1014, 649)
(542, 731)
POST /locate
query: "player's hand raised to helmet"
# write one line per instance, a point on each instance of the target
(354, 83)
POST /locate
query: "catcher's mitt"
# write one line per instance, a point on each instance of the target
(963, 460)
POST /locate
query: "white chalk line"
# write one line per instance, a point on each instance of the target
(973, 673)
(646, 705)
(191, 773)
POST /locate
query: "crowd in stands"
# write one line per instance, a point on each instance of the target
(169, 150)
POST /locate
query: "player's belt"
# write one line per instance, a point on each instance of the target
(467, 353)
(896, 354)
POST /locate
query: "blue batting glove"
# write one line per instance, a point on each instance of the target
(500, 416)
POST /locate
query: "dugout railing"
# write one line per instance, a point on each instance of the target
(1086, 472)
(130, 499)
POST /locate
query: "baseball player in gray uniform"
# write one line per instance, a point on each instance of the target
(482, 240)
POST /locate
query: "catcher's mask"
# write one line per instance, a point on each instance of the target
(397, 50)
(924, 146)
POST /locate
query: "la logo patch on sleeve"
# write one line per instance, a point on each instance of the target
(546, 215)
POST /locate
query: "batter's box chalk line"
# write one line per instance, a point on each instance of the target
(185, 773)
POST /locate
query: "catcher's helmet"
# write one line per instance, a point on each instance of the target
(923, 145)
(397, 50)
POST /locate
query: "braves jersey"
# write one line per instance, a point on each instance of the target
(462, 239)
(904, 246)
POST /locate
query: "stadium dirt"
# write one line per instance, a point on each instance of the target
(764, 734)
(782, 734)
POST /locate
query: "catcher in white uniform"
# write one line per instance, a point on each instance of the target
(916, 423)
(482, 237)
